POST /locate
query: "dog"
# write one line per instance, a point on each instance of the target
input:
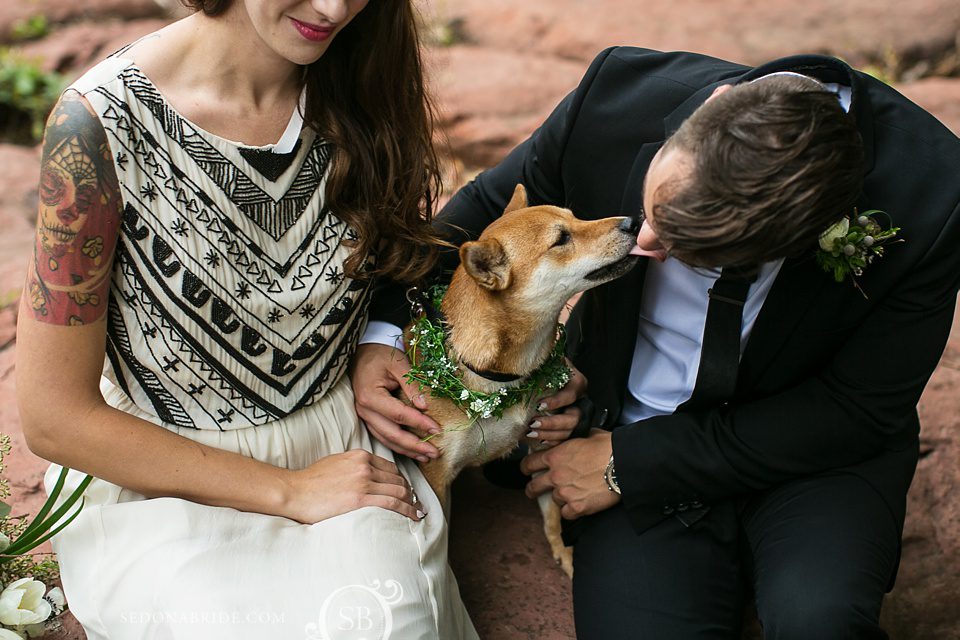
(501, 312)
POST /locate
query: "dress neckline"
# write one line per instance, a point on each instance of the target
(285, 144)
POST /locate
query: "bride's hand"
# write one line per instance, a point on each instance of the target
(343, 482)
(558, 415)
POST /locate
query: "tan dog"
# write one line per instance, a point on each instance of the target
(501, 310)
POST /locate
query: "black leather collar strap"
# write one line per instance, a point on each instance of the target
(496, 376)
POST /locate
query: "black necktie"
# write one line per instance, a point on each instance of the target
(720, 352)
(719, 356)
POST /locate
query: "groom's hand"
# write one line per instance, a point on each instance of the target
(573, 473)
(376, 371)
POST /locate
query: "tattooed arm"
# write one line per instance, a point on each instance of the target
(69, 279)
(61, 337)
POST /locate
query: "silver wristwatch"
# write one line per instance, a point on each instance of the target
(610, 477)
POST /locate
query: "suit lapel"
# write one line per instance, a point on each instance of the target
(798, 283)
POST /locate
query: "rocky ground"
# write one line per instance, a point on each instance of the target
(498, 67)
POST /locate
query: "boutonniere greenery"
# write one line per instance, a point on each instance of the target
(432, 368)
(848, 246)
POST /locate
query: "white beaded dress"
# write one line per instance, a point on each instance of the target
(230, 323)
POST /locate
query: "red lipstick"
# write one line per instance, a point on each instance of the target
(313, 32)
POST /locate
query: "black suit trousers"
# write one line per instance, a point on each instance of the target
(817, 554)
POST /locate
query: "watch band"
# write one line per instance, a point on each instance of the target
(610, 477)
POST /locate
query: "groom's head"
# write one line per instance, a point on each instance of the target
(755, 174)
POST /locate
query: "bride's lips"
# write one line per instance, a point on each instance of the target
(313, 32)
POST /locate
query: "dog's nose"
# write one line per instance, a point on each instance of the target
(630, 225)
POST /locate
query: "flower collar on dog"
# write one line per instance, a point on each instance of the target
(431, 367)
(848, 246)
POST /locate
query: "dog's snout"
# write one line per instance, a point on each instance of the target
(630, 225)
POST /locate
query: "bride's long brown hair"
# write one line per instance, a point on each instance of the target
(367, 96)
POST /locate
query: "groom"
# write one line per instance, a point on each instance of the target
(775, 468)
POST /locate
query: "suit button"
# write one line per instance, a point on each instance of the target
(683, 506)
(602, 417)
(696, 504)
(667, 510)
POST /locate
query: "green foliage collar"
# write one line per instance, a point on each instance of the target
(431, 367)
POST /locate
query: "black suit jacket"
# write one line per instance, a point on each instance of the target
(830, 379)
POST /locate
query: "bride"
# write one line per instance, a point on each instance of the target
(216, 201)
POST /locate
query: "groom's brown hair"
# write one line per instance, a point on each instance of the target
(774, 163)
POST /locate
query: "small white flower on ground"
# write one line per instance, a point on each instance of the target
(22, 603)
(834, 231)
(57, 599)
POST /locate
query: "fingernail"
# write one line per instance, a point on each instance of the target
(542, 406)
(420, 514)
(534, 425)
(433, 455)
(543, 442)
(532, 434)
(422, 400)
(423, 459)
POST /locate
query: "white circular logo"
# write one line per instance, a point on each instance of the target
(357, 612)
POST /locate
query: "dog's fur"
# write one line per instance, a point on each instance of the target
(502, 309)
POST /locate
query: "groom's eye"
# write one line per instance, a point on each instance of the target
(563, 239)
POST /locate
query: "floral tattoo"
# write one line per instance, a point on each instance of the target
(69, 280)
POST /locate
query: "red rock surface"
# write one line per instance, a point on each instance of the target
(742, 30)
(79, 46)
(939, 96)
(509, 64)
(65, 11)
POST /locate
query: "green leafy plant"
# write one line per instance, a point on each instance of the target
(23, 572)
(27, 94)
(32, 28)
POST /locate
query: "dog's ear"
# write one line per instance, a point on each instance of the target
(518, 201)
(486, 262)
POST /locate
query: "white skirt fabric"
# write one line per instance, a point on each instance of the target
(167, 568)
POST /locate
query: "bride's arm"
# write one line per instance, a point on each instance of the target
(61, 338)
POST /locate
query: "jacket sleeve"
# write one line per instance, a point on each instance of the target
(861, 404)
(535, 163)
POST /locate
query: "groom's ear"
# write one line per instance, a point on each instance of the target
(518, 201)
(486, 262)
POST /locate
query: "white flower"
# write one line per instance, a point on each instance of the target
(57, 599)
(464, 394)
(22, 603)
(834, 231)
(7, 634)
(4, 542)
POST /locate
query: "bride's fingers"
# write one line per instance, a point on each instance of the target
(385, 477)
(556, 427)
(393, 504)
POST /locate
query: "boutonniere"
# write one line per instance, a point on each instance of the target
(848, 246)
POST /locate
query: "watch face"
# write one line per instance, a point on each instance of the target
(610, 477)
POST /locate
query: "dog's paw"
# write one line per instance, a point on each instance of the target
(564, 558)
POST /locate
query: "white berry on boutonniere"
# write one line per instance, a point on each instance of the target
(848, 246)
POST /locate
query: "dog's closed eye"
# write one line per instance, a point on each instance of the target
(563, 239)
